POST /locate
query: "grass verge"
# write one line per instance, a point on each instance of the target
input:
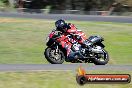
(22, 41)
(52, 79)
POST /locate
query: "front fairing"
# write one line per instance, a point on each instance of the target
(52, 37)
(49, 37)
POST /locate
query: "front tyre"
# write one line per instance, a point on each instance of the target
(102, 58)
(53, 57)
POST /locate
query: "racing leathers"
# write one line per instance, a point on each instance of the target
(73, 35)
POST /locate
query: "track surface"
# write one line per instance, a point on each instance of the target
(70, 17)
(61, 67)
(30, 67)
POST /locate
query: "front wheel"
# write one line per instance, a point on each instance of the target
(101, 58)
(54, 57)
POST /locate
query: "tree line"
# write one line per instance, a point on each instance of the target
(83, 5)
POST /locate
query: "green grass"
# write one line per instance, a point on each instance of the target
(22, 41)
(52, 79)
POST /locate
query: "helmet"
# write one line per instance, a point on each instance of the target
(60, 25)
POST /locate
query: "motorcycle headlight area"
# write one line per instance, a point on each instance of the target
(47, 39)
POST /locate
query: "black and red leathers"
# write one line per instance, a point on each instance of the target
(66, 41)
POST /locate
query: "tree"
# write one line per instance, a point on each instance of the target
(6, 2)
(125, 2)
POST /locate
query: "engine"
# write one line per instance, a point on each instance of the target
(76, 47)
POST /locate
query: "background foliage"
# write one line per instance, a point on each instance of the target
(83, 5)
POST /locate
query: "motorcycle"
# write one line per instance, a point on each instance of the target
(56, 54)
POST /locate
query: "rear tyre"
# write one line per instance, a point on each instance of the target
(101, 59)
(52, 57)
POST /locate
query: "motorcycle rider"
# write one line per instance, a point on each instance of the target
(70, 31)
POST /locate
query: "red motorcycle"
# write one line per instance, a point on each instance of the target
(57, 53)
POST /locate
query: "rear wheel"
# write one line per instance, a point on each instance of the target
(54, 57)
(102, 58)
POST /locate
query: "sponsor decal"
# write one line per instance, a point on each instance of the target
(83, 78)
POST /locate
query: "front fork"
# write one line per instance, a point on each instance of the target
(56, 48)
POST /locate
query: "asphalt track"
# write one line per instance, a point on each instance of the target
(64, 67)
(61, 67)
(123, 19)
